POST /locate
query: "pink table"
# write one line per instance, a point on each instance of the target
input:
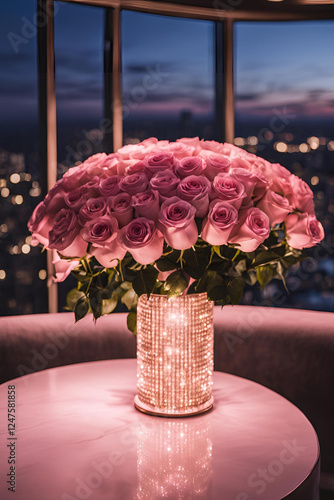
(80, 437)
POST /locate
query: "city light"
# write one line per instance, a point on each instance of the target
(5, 192)
(3, 183)
(314, 142)
(15, 250)
(330, 146)
(28, 177)
(304, 148)
(252, 140)
(239, 141)
(3, 228)
(19, 199)
(281, 147)
(15, 178)
(42, 274)
(26, 248)
(28, 239)
(315, 180)
(2, 274)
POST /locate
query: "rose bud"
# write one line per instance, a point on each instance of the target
(179, 149)
(55, 199)
(63, 267)
(141, 238)
(39, 225)
(303, 230)
(190, 165)
(94, 207)
(134, 183)
(139, 166)
(110, 186)
(275, 206)
(157, 162)
(64, 235)
(76, 199)
(218, 225)
(177, 223)
(147, 205)
(165, 183)
(215, 164)
(195, 189)
(121, 208)
(102, 234)
(228, 189)
(251, 232)
(302, 195)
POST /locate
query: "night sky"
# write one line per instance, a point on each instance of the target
(275, 64)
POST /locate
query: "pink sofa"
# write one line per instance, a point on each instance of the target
(289, 351)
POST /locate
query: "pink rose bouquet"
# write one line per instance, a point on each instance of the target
(173, 218)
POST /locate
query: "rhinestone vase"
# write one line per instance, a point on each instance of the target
(174, 355)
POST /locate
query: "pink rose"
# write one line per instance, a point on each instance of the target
(228, 189)
(234, 152)
(165, 183)
(252, 232)
(195, 189)
(94, 207)
(177, 222)
(239, 162)
(147, 205)
(63, 267)
(302, 195)
(218, 225)
(102, 234)
(121, 208)
(255, 184)
(137, 151)
(215, 164)
(76, 199)
(64, 235)
(193, 142)
(55, 199)
(39, 225)
(275, 206)
(91, 188)
(190, 165)
(282, 186)
(158, 162)
(179, 149)
(101, 165)
(141, 238)
(110, 186)
(214, 146)
(75, 177)
(303, 230)
(139, 166)
(134, 183)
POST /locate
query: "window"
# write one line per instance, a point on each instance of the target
(284, 110)
(168, 77)
(22, 267)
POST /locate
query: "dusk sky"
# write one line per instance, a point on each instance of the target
(275, 64)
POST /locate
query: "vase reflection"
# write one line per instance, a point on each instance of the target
(174, 458)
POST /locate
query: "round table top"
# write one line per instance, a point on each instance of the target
(78, 436)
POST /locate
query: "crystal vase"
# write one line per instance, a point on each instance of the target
(174, 355)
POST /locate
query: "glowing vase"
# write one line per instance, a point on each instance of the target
(174, 355)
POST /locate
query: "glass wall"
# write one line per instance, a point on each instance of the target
(79, 72)
(284, 110)
(168, 77)
(22, 267)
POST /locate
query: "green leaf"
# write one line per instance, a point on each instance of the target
(235, 290)
(145, 281)
(80, 275)
(164, 264)
(73, 297)
(265, 274)
(196, 261)
(81, 308)
(131, 321)
(108, 305)
(175, 284)
(130, 299)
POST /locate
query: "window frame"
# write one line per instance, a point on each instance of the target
(224, 19)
